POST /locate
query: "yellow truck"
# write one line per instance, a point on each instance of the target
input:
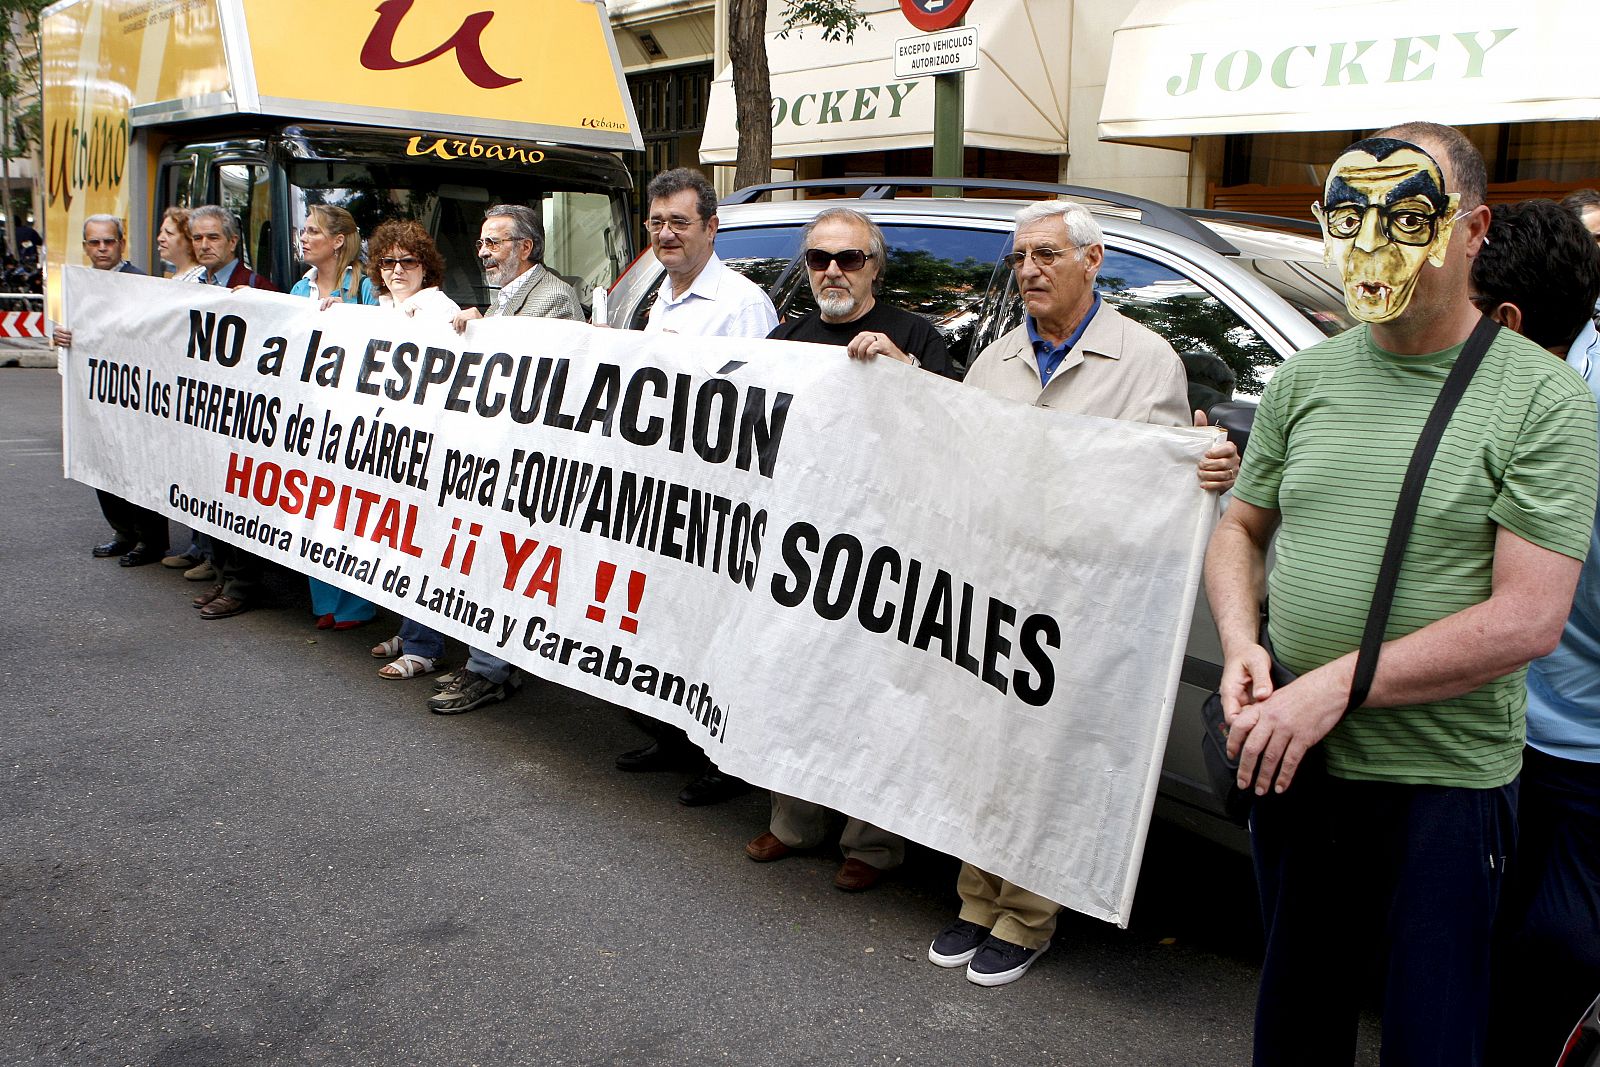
(423, 109)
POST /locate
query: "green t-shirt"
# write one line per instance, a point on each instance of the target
(1331, 441)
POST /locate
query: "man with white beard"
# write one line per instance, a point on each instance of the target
(511, 250)
(844, 256)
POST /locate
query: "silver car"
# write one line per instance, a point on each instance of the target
(1234, 295)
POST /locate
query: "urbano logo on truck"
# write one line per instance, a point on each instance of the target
(453, 148)
(85, 152)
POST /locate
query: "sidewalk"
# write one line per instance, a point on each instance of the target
(26, 352)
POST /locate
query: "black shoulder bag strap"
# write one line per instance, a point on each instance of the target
(1406, 508)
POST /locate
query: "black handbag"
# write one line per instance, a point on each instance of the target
(1223, 770)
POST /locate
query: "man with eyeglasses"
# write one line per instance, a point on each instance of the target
(845, 258)
(1389, 843)
(1075, 353)
(511, 249)
(139, 535)
(703, 298)
(700, 295)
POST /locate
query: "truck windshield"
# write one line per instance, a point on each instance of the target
(585, 231)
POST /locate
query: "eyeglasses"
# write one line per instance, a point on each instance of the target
(849, 259)
(1403, 226)
(492, 243)
(677, 224)
(1042, 256)
(102, 242)
(408, 263)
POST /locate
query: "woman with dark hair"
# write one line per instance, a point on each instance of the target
(406, 268)
(330, 245)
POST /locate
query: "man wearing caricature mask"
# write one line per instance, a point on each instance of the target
(1394, 838)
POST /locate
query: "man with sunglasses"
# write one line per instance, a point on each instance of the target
(1073, 352)
(704, 298)
(845, 259)
(1391, 846)
(511, 249)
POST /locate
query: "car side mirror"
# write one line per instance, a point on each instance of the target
(1235, 416)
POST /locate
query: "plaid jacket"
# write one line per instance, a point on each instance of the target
(546, 296)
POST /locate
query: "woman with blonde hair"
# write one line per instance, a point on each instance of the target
(330, 245)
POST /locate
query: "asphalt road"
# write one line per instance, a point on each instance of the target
(230, 842)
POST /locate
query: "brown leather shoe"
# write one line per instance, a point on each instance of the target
(767, 848)
(856, 875)
(207, 597)
(222, 607)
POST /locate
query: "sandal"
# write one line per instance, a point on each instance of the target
(408, 666)
(386, 649)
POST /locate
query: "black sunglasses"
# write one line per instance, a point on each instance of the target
(848, 259)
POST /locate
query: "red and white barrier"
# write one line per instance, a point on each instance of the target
(21, 324)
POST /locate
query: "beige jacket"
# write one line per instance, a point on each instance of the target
(1117, 370)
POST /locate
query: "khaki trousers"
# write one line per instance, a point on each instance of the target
(1009, 911)
(802, 824)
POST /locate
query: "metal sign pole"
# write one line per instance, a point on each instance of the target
(949, 129)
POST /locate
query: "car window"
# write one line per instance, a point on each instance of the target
(938, 272)
(760, 253)
(1225, 357)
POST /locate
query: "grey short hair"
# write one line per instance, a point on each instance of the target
(112, 219)
(224, 218)
(1081, 225)
(526, 225)
(875, 242)
(672, 182)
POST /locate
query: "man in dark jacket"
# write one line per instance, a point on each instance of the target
(139, 535)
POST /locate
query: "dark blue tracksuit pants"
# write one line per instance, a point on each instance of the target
(1361, 875)
(1547, 945)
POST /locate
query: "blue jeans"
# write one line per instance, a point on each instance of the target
(418, 640)
(1411, 874)
(1547, 945)
(491, 667)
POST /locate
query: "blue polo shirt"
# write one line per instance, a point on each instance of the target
(1049, 356)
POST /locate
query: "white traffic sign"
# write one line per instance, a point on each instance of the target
(944, 52)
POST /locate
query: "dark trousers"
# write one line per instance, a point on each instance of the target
(1547, 945)
(132, 522)
(239, 571)
(1356, 874)
(671, 739)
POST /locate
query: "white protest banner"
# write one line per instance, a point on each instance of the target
(959, 618)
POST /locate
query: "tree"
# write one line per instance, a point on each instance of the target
(21, 124)
(752, 79)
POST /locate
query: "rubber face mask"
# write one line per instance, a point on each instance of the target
(1385, 215)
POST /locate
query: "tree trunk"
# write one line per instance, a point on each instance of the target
(752, 90)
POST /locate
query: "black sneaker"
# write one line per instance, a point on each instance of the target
(957, 944)
(999, 962)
